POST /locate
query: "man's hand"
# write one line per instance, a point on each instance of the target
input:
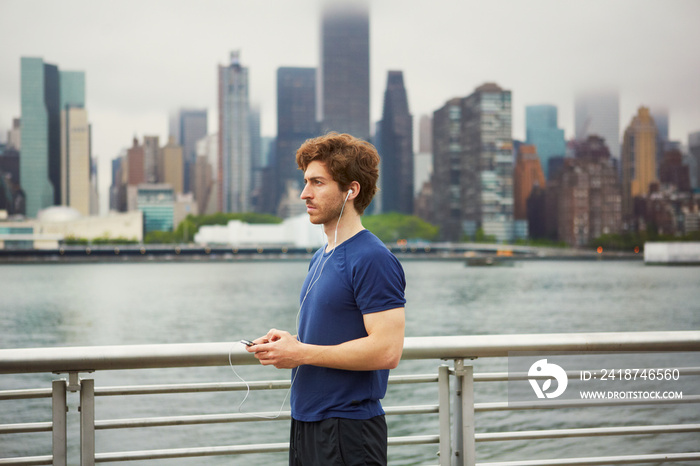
(278, 348)
(380, 349)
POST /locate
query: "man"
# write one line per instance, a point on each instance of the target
(351, 317)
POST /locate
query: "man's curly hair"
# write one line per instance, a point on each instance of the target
(348, 159)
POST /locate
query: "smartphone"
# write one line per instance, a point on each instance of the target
(247, 342)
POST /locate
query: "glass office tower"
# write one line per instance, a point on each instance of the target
(542, 132)
(40, 160)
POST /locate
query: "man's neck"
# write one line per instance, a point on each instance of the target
(350, 224)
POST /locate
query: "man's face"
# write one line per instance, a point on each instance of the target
(324, 199)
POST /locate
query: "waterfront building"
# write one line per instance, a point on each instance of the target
(296, 122)
(447, 170)
(598, 112)
(542, 132)
(527, 175)
(584, 199)
(638, 159)
(157, 202)
(187, 126)
(295, 231)
(235, 164)
(171, 166)
(668, 211)
(396, 183)
(473, 166)
(56, 223)
(40, 163)
(343, 73)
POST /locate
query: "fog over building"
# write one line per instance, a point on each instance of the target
(597, 112)
(343, 72)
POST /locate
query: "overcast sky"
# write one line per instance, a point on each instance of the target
(144, 58)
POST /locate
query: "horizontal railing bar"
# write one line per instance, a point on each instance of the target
(603, 460)
(517, 405)
(191, 388)
(481, 346)
(587, 432)
(87, 359)
(232, 386)
(191, 452)
(419, 409)
(25, 428)
(190, 420)
(26, 460)
(414, 440)
(507, 376)
(237, 449)
(25, 394)
(235, 417)
(407, 379)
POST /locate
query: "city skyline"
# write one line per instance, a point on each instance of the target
(644, 49)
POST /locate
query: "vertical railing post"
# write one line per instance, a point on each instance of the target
(87, 422)
(444, 415)
(465, 448)
(468, 431)
(59, 436)
(457, 442)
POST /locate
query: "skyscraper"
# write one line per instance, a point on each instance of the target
(343, 82)
(473, 166)
(76, 157)
(598, 112)
(235, 168)
(296, 122)
(189, 126)
(396, 148)
(40, 162)
(542, 132)
(638, 159)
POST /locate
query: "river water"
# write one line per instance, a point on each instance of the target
(47, 305)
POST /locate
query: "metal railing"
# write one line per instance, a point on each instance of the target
(456, 408)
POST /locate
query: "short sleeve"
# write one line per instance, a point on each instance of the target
(379, 282)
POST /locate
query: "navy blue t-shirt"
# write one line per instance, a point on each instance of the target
(360, 277)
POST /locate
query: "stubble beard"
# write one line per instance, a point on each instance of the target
(327, 214)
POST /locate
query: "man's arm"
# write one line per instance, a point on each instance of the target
(380, 349)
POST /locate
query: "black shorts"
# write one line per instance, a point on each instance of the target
(338, 442)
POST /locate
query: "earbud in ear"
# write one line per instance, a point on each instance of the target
(351, 191)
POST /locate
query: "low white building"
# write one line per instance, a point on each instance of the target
(294, 231)
(55, 224)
